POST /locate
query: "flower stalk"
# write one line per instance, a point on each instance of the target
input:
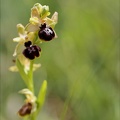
(30, 74)
(40, 28)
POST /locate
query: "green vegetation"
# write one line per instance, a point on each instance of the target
(81, 66)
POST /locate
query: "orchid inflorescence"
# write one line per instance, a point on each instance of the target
(40, 28)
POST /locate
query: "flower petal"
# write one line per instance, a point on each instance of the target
(49, 21)
(36, 66)
(19, 48)
(29, 95)
(55, 17)
(25, 62)
(34, 12)
(17, 39)
(52, 21)
(21, 29)
(39, 7)
(34, 20)
(45, 12)
(31, 28)
(32, 36)
(13, 68)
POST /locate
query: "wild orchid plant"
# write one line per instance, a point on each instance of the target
(40, 28)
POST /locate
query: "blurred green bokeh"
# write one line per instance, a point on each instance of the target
(82, 66)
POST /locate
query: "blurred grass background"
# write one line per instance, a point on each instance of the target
(82, 66)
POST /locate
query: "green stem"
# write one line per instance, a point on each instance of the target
(33, 116)
(30, 76)
(31, 86)
(26, 118)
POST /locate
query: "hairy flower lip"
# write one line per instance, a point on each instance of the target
(27, 44)
(25, 109)
(31, 51)
(46, 33)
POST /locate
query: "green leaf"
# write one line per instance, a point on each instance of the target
(41, 95)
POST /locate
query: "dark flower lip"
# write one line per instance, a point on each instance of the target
(25, 109)
(43, 26)
(27, 44)
(28, 54)
(31, 51)
(38, 49)
(46, 33)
